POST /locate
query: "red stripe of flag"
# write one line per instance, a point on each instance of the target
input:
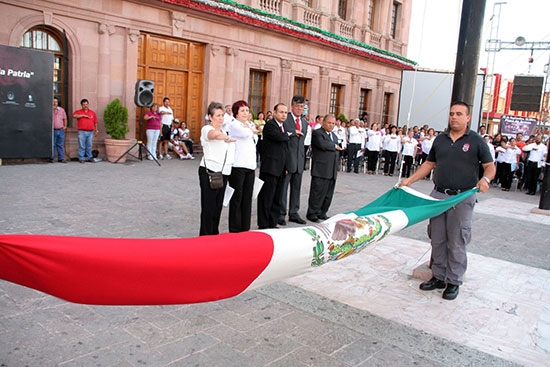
(108, 271)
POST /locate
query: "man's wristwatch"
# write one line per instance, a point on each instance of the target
(486, 179)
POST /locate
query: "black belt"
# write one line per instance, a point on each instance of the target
(450, 192)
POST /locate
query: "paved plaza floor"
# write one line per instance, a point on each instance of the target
(362, 311)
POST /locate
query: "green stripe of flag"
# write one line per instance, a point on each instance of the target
(415, 207)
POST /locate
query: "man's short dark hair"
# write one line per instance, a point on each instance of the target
(277, 106)
(298, 99)
(84, 100)
(164, 99)
(460, 103)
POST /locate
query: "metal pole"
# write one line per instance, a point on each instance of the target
(467, 57)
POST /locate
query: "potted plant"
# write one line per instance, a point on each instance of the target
(115, 118)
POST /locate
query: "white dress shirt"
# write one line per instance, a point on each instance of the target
(340, 132)
(537, 153)
(355, 136)
(215, 152)
(245, 146)
(392, 143)
(375, 140)
(427, 145)
(409, 145)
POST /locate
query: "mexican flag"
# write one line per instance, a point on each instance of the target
(114, 271)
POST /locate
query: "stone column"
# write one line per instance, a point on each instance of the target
(104, 66)
(379, 100)
(130, 78)
(354, 108)
(287, 88)
(324, 98)
(230, 54)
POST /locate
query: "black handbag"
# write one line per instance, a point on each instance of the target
(215, 179)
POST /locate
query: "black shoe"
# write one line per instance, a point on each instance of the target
(323, 217)
(62, 161)
(313, 219)
(355, 171)
(297, 219)
(432, 284)
(282, 222)
(451, 292)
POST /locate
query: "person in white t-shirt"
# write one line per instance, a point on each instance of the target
(166, 118)
(535, 161)
(374, 142)
(510, 163)
(392, 145)
(409, 152)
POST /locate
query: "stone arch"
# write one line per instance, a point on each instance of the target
(28, 22)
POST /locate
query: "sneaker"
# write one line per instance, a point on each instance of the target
(168, 156)
(182, 156)
(161, 157)
(150, 158)
(189, 156)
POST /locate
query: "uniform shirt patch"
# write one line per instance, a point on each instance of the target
(466, 147)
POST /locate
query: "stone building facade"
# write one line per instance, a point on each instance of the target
(345, 56)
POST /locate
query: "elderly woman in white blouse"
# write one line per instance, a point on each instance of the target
(218, 156)
(244, 166)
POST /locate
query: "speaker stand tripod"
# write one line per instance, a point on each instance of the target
(139, 143)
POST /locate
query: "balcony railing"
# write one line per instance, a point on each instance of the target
(346, 30)
(271, 6)
(312, 18)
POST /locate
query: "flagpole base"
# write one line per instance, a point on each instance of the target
(540, 211)
(423, 272)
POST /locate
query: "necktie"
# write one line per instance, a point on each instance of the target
(282, 128)
(298, 123)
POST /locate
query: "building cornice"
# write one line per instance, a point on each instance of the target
(287, 26)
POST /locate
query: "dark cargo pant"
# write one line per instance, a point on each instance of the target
(450, 233)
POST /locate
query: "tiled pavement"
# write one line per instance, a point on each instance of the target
(278, 325)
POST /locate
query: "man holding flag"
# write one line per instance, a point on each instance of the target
(455, 157)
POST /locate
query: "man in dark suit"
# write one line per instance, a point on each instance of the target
(295, 161)
(324, 166)
(272, 168)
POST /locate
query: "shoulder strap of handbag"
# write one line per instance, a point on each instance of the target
(224, 159)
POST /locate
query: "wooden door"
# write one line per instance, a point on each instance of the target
(177, 68)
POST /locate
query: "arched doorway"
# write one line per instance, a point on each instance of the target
(46, 38)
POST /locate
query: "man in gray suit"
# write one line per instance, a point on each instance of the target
(295, 161)
(324, 167)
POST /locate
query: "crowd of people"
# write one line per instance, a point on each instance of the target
(284, 143)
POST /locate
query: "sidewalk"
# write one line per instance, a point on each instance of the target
(363, 311)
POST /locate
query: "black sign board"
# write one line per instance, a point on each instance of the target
(26, 97)
(526, 93)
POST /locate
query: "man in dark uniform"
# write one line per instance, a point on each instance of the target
(455, 155)
(324, 160)
(295, 161)
(272, 168)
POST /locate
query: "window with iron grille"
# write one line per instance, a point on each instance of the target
(386, 108)
(363, 101)
(301, 87)
(45, 39)
(370, 17)
(257, 91)
(342, 8)
(335, 99)
(394, 18)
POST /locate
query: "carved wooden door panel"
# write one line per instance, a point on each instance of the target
(177, 68)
